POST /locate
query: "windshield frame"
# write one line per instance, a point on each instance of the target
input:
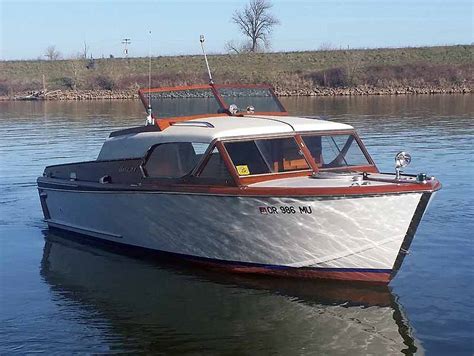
(304, 155)
(299, 138)
(163, 122)
(370, 161)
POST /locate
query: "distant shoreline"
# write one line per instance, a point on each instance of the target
(87, 95)
(383, 71)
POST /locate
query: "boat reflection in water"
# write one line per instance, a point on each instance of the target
(149, 305)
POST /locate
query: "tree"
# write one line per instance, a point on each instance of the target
(52, 54)
(256, 23)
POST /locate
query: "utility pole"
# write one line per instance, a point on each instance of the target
(126, 42)
(85, 50)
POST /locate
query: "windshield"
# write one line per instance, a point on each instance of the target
(261, 99)
(198, 100)
(266, 156)
(175, 103)
(335, 151)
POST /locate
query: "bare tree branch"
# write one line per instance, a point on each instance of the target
(256, 22)
(232, 47)
(52, 54)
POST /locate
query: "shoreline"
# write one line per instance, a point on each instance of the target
(351, 72)
(132, 94)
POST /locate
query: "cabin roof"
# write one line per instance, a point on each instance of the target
(227, 127)
(134, 143)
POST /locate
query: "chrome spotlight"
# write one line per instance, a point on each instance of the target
(233, 109)
(402, 159)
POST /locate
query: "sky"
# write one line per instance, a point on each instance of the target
(29, 27)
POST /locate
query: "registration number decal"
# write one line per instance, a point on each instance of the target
(285, 209)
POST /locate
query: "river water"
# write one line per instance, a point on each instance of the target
(57, 296)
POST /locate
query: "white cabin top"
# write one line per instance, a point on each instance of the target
(204, 130)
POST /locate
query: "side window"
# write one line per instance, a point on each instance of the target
(174, 160)
(274, 155)
(247, 158)
(216, 170)
(282, 154)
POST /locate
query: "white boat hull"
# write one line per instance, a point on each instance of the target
(352, 237)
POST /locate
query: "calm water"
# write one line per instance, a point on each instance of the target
(60, 297)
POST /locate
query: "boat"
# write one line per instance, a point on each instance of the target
(223, 176)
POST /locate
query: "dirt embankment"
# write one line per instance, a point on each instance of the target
(427, 70)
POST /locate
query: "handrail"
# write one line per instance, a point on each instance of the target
(194, 123)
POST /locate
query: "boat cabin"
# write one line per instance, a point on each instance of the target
(222, 135)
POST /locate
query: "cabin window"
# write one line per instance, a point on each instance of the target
(266, 156)
(215, 171)
(174, 160)
(335, 151)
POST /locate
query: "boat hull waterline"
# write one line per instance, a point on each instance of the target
(357, 238)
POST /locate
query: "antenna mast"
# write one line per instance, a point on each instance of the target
(149, 118)
(201, 39)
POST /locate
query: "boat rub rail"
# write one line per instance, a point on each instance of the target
(355, 190)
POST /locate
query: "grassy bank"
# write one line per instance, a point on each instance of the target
(371, 71)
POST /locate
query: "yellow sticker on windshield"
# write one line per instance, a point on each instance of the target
(243, 170)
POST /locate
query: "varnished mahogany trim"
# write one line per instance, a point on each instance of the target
(274, 176)
(175, 88)
(309, 157)
(228, 163)
(343, 132)
(266, 113)
(167, 122)
(219, 98)
(164, 123)
(204, 159)
(299, 138)
(195, 174)
(246, 180)
(356, 190)
(364, 149)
